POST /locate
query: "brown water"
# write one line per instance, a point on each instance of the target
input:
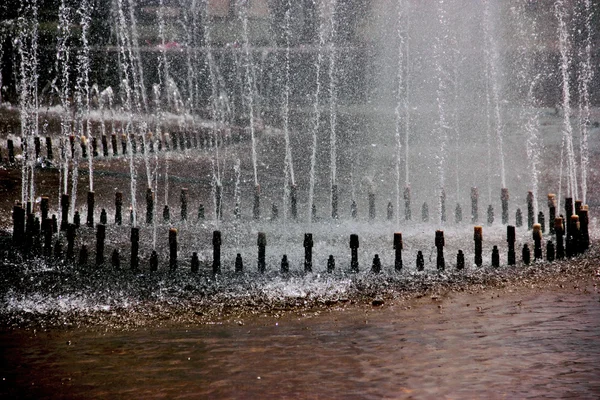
(500, 343)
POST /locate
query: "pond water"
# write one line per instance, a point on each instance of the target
(519, 342)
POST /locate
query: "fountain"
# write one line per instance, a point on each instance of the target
(375, 107)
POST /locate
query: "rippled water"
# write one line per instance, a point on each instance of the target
(518, 343)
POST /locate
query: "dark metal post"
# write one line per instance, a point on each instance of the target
(376, 267)
(154, 261)
(49, 153)
(149, 206)
(439, 244)
(173, 249)
(334, 201)
(551, 212)
(216, 252)
(474, 205)
(100, 236)
(285, 265)
(71, 233)
(45, 207)
(490, 215)
(90, 209)
(118, 208)
(262, 244)
(64, 205)
(330, 264)
(420, 261)
(478, 237)
(294, 202)
(530, 212)
(398, 246)
(239, 263)
(135, 248)
(184, 204)
(460, 260)
(308, 246)
(511, 238)
(526, 253)
(495, 257)
(558, 229)
(256, 206)
(354, 243)
(504, 197)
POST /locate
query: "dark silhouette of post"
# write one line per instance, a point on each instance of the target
(354, 244)
(113, 140)
(490, 215)
(90, 209)
(504, 197)
(439, 244)
(474, 205)
(518, 218)
(443, 206)
(64, 205)
(510, 239)
(460, 260)
(216, 252)
(294, 202)
(256, 206)
(559, 230)
(495, 257)
(45, 207)
(530, 211)
(330, 264)
(550, 251)
(551, 212)
(184, 204)
(398, 246)
(526, 254)
(262, 244)
(542, 221)
(195, 262)
(376, 267)
(334, 201)
(458, 214)
(49, 152)
(537, 240)
(308, 246)
(239, 263)
(115, 260)
(154, 261)
(100, 236)
(219, 201)
(118, 208)
(420, 261)
(172, 249)
(478, 238)
(285, 265)
(149, 206)
(135, 248)
(71, 233)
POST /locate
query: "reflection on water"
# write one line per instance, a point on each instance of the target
(495, 344)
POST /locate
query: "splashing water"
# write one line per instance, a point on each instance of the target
(316, 120)
(565, 62)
